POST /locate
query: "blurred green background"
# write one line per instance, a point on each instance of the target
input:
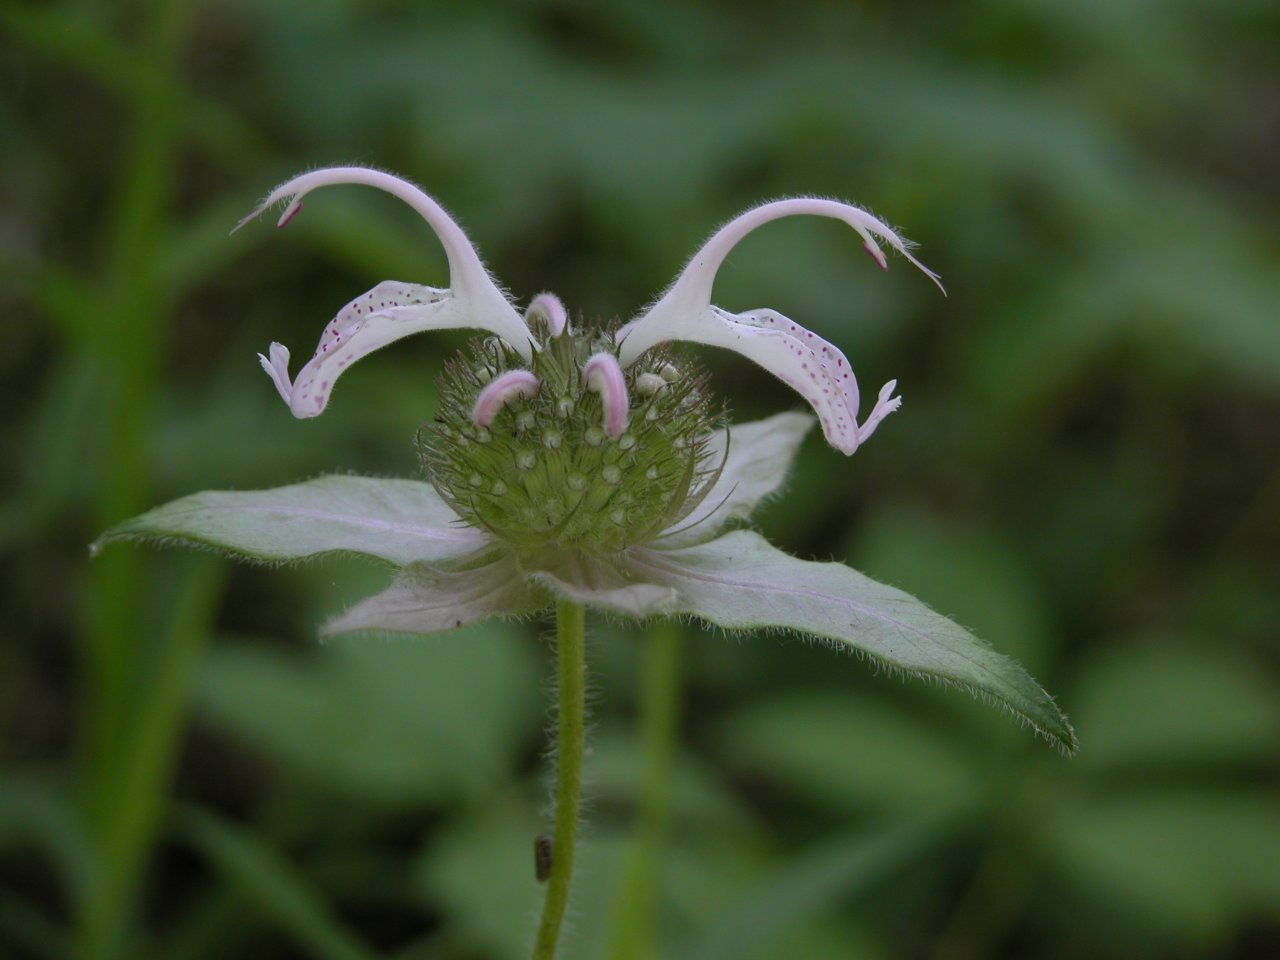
(1085, 471)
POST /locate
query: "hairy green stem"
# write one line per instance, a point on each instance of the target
(571, 669)
(631, 933)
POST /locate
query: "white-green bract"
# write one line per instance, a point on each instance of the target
(704, 566)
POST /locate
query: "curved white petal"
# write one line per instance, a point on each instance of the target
(811, 365)
(473, 299)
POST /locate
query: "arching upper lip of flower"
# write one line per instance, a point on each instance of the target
(816, 369)
(391, 310)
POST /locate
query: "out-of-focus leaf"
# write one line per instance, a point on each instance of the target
(851, 751)
(371, 431)
(1235, 602)
(832, 872)
(200, 248)
(402, 722)
(35, 814)
(79, 44)
(273, 887)
(1092, 517)
(1175, 307)
(1190, 864)
(61, 446)
(1171, 703)
(614, 767)
(25, 925)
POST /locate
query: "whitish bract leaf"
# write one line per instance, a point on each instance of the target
(426, 599)
(739, 581)
(400, 521)
(756, 458)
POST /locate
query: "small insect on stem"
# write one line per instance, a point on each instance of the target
(542, 857)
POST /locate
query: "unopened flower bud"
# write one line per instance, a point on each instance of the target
(649, 383)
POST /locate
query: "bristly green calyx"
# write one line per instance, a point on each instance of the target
(544, 470)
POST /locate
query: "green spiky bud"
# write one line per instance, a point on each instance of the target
(551, 455)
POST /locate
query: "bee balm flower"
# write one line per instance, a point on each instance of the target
(575, 464)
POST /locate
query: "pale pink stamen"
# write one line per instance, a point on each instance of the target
(603, 375)
(547, 308)
(499, 392)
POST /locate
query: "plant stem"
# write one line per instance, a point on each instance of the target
(131, 725)
(571, 668)
(137, 794)
(631, 932)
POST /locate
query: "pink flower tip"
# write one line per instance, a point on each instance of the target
(547, 308)
(602, 374)
(499, 392)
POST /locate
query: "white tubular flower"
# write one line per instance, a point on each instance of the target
(800, 358)
(390, 310)
(501, 391)
(603, 375)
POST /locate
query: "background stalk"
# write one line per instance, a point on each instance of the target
(571, 671)
(632, 929)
